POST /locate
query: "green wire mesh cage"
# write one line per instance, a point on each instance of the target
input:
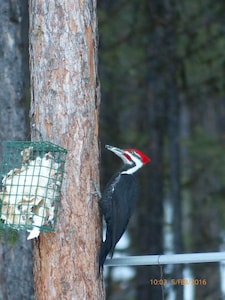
(30, 185)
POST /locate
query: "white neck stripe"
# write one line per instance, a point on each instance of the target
(137, 165)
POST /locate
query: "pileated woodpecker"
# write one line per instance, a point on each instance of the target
(118, 198)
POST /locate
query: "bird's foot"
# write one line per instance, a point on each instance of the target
(97, 191)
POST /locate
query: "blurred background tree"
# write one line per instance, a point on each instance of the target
(16, 264)
(162, 82)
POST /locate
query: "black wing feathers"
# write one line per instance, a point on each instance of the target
(123, 201)
(117, 204)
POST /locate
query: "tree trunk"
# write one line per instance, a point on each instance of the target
(16, 264)
(206, 209)
(174, 142)
(64, 108)
(163, 121)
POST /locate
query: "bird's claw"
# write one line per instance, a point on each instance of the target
(97, 190)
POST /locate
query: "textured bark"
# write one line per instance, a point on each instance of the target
(65, 103)
(16, 267)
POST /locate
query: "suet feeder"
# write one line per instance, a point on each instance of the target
(30, 185)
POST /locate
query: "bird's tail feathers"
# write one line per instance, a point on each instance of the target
(105, 249)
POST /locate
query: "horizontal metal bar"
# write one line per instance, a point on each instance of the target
(146, 260)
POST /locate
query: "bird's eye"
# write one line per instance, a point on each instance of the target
(135, 154)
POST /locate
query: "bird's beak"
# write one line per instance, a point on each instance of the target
(119, 152)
